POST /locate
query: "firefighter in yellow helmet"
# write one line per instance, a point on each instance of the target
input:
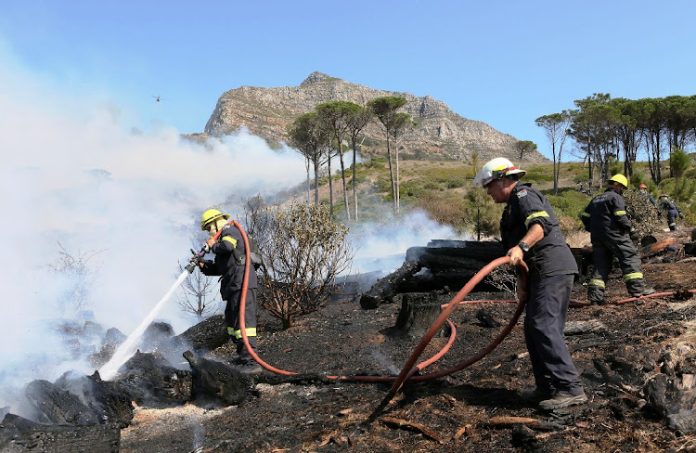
(530, 231)
(229, 263)
(610, 228)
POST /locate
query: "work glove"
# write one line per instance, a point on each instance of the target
(681, 216)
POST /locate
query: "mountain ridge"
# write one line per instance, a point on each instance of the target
(440, 133)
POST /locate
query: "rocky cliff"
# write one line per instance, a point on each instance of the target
(439, 132)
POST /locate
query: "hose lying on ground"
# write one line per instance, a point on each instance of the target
(410, 368)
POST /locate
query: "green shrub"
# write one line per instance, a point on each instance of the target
(569, 202)
(539, 173)
(413, 189)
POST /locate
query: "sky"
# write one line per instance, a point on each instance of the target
(501, 62)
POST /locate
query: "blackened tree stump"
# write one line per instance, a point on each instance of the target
(417, 314)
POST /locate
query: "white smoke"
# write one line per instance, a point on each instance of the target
(381, 246)
(123, 204)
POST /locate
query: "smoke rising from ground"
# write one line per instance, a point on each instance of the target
(98, 215)
(381, 246)
(123, 206)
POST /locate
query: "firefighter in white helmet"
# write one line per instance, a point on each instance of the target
(530, 232)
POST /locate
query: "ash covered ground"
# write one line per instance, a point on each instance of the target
(637, 360)
(624, 360)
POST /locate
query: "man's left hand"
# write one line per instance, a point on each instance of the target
(516, 255)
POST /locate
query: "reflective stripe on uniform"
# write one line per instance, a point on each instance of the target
(633, 276)
(230, 331)
(231, 240)
(619, 213)
(250, 331)
(533, 216)
(597, 282)
(585, 214)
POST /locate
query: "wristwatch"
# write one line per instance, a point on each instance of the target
(524, 246)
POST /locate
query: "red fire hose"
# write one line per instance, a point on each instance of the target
(410, 368)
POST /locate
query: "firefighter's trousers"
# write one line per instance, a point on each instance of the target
(604, 249)
(232, 318)
(544, 322)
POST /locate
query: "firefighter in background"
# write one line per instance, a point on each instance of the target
(643, 189)
(610, 228)
(229, 262)
(530, 231)
(672, 211)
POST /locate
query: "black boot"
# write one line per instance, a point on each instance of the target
(637, 288)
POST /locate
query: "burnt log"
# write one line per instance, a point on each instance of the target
(109, 400)
(417, 314)
(216, 383)
(151, 380)
(386, 288)
(19, 435)
(57, 406)
(442, 263)
(445, 264)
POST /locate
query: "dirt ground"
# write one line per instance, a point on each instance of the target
(450, 414)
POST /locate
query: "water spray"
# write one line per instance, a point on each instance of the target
(126, 350)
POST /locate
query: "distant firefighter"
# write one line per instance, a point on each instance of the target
(643, 189)
(610, 229)
(668, 206)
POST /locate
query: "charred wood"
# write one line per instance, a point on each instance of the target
(57, 406)
(387, 287)
(19, 435)
(417, 314)
(216, 383)
(151, 380)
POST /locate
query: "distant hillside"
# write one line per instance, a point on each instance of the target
(439, 133)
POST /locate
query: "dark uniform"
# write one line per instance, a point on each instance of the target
(606, 220)
(229, 265)
(552, 269)
(672, 212)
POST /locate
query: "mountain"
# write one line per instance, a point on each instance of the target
(439, 132)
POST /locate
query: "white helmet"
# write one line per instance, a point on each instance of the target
(495, 169)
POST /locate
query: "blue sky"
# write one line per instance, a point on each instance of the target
(502, 62)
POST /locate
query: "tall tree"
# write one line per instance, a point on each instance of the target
(358, 119)
(556, 127)
(334, 115)
(594, 127)
(676, 122)
(628, 133)
(386, 109)
(651, 120)
(307, 135)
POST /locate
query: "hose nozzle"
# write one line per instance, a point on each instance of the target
(195, 259)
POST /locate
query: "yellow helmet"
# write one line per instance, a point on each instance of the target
(210, 216)
(496, 169)
(621, 179)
